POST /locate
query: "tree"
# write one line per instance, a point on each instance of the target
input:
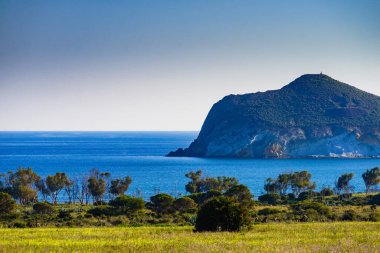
(204, 184)
(343, 183)
(241, 193)
(55, 184)
(7, 204)
(22, 185)
(300, 181)
(161, 203)
(222, 214)
(97, 188)
(70, 190)
(270, 186)
(192, 186)
(120, 186)
(371, 178)
(42, 188)
(283, 181)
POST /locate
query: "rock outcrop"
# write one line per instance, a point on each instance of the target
(313, 116)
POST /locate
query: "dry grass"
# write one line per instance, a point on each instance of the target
(307, 237)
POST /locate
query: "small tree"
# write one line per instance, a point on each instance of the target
(120, 186)
(343, 183)
(97, 188)
(42, 188)
(192, 186)
(222, 214)
(300, 181)
(56, 184)
(371, 178)
(283, 181)
(270, 186)
(22, 184)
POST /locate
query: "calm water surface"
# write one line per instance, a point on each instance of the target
(141, 156)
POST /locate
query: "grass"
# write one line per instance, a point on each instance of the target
(295, 237)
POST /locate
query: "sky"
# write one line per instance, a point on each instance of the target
(88, 65)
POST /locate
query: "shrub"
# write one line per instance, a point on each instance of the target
(43, 208)
(270, 198)
(374, 217)
(307, 195)
(127, 204)
(66, 215)
(345, 196)
(268, 211)
(326, 192)
(311, 211)
(100, 211)
(7, 204)
(201, 198)
(241, 193)
(375, 200)
(185, 205)
(349, 215)
(222, 214)
(19, 224)
(161, 203)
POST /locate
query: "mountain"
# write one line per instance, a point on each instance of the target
(313, 116)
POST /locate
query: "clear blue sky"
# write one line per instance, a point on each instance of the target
(160, 65)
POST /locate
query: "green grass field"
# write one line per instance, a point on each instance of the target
(306, 237)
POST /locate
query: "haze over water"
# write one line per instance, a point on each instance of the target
(141, 155)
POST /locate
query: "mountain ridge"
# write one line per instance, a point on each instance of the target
(292, 122)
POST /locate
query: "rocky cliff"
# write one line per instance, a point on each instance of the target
(313, 116)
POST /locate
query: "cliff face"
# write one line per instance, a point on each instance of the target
(314, 115)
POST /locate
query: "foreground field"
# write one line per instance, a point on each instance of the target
(306, 237)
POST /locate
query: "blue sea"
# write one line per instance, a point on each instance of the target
(141, 155)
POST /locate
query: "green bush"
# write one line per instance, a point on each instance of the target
(65, 215)
(43, 208)
(100, 211)
(311, 211)
(202, 197)
(127, 204)
(222, 214)
(349, 215)
(375, 200)
(307, 195)
(19, 224)
(241, 193)
(185, 205)
(161, 203)
(270, 198)
(268, 211)
(7, 204)
(326, 192)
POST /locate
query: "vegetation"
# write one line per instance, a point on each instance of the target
(371, 178)
(212, 204)
(222, 214)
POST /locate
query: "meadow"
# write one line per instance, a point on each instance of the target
(273, 237)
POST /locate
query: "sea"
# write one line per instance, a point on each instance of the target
(141, 155)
